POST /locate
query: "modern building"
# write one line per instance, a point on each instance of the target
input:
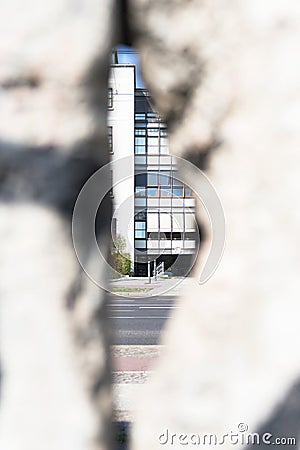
(154, 211)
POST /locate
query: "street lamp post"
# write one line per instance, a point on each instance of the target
(149, 272)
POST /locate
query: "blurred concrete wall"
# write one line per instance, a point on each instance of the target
(226, 77)
(54, 62)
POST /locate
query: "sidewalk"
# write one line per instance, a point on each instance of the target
(140, 286)
(132, 366)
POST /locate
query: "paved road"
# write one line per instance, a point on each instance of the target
(139, 321)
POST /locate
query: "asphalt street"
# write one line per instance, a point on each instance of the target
(139, 321)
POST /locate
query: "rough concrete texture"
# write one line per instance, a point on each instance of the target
(48, 57)
(55, 384)
(228, 73)
(226, 78)
(43, 401)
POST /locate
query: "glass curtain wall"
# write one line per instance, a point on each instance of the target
(164, 218)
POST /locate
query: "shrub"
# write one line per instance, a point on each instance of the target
(120, 259)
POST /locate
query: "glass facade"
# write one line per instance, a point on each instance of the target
(163, 207)
(166, 223)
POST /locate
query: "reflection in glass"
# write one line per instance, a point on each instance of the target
(165, 178)
(165, 192)
(140, 150)
(153, 131)
(140, 244)
(178, 191)
(187, 192)
(140, 234)
(141, 179)
(140, 192)
(141, 215)
(153, 192)
(140, 225)
(152, 178)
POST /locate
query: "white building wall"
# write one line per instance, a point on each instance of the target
(121, 118)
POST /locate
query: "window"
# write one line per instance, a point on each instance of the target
(164, 150)
(140, 234)
(165, 192)
(140, 145)
(177, 236)
(152, 141)
(164, 147)
(177, 221)
(153, 132)
(189, 221)
(141, 244)
(141, 179)
(153, 149)
(140, 191)
(140, 140)
(189, 244)
(152, 117)
(153, 235)
(153, 160)
(152, 221)
(164, 202)
(140, 116)
(164, 245)
(140, 132)
(165, 222)
(152, 179)
(153, 244)
(165, 236)
(140, 150)
(190, 236)
(166, 160)
(189, 203)
(153, 202)
(110, 139)
(110, 99)
(187, 192)
(141, 215)
(152, 192)
(165, 178)
(140, 225)
(140, 201)
(178, 191)
(177, 188)
(141, 160)
(176, 182)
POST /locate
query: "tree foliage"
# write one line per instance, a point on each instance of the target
(120, 258)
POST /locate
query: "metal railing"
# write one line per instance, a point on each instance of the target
(160, 269)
